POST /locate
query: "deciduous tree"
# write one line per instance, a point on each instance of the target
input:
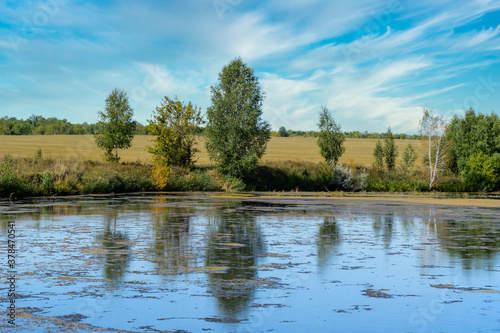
(236, 134)
(116, 124)
(432, 132)
(390, 150)
(409, 158)
(378, 153)
(282, 132)
(330, 137)
(174, 126)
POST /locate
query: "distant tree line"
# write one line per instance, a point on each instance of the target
(283, 132)
(50, 126)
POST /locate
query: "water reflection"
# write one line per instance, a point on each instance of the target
(476, 243)
(408, 224)
(383, 227)
(234, 241)
(328, 240)
(171, 247)
(116, 246)
(4, 224)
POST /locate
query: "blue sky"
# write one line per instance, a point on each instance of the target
(373, 63)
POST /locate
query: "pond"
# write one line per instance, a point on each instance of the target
(200, 263)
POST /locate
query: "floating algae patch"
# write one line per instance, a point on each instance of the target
(64, 278)
(484, 291)
(231, 244)
(376, 293)
(465, 289)
(281, 263)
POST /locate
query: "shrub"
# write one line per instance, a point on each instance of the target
(38, 154)
(48, 183)
(378, 153)
(480, 172)
(409, 158)
(94, 183)
(344, 179)
(181, 179)
(8, 180)
(160, 175)
(234, 184)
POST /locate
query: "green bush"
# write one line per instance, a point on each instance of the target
(480, 172)
(38, 154)
(48, 183)
(9, 182)
(234, 184)
(375, 185)
(94, 183)
(451, 184)
(181, 179)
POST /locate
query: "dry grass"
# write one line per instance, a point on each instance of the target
(359, 151)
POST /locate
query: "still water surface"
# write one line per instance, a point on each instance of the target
(195, 263)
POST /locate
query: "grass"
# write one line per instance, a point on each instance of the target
(358, 151)
(72, 164)
(58, 176)
(34, 176)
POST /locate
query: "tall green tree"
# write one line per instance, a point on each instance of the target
(116, 124)
(474, 149)
(471, 134)
(330, 137)
(390, 150)
(174, 124)
(236, 134)
(378, 153)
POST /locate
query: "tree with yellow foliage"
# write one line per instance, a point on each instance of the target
(175, 125)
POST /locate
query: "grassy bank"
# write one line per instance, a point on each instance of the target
(31, 176)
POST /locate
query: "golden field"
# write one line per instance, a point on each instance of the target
(358, 151)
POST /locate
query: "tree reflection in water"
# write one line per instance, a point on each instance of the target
(117, 249)
(234, 240)
(328, 240)
(171, 247)
(383, 226)
(475, 243)
(4, 223)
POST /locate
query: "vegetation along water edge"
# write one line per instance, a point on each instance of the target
(234, 149)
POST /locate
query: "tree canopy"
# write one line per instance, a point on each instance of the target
(330, 137)
(117, 125)
(236, 134)
(174, 124)
(390, 150)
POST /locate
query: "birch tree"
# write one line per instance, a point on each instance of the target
(330, 138)
(236, 134)
(432, 130)
(117, 125)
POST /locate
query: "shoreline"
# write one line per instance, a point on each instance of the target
(461, 199)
